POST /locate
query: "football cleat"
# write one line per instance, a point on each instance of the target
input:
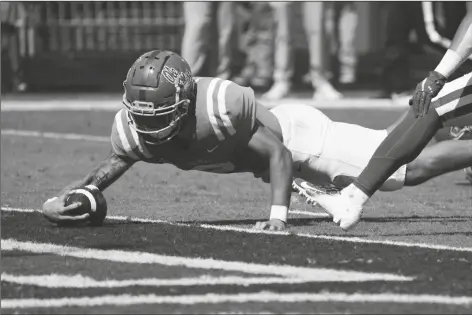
(461, 133)
(310, 191)
(340, 207)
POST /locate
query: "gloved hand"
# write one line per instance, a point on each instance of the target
(425, 91)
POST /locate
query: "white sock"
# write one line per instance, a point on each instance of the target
(356, 195)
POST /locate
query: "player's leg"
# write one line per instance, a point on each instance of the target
(438, 159)
(198, 17)
(226, 24)
(401, 146)
(410, 137)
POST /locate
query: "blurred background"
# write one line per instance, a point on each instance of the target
(330, 49)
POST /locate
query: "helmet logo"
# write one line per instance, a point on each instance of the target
(173, 76)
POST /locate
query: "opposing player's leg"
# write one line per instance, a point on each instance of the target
(439, 159)
(401, 146)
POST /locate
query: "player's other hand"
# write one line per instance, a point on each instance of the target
(56, 211)
(425, 91)
(271, 225)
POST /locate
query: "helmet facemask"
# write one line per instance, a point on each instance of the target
(155, 122)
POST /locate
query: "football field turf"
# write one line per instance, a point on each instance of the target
(181, 242)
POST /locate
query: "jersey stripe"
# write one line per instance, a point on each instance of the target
(222, 108)
(454, 105)
(141, 147)
(460, 97)
(210, 110)
(129, 136)
(122, 135)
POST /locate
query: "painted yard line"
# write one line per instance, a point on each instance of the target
(213, 298)
(79, 281)
(311, 214)
(53, 135)
(340, 238)
(142, 220)
(319, 274)
(112, 105)
(254, 231)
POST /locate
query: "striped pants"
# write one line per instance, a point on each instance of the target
(454, 103)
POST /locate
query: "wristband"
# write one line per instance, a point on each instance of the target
(279, 213)
(449, 63)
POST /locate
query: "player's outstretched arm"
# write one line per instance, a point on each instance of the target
(104, 174)
(266, 145)
(101, 176)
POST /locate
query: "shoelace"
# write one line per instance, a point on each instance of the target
(457, 132)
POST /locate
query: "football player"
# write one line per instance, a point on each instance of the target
(413, 133)
(206, 124)
(215, 125)
(332, 154)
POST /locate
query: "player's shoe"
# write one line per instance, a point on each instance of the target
(344, 212)
(326, 92)
(310, 191)
(325, 196)
(278, 91)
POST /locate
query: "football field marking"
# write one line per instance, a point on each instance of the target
(254, 231)
(114, 104)
(134, 257)
(214, 298)
(53, 135)
(80, 281)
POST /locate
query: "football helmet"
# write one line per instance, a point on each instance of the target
(159, 89)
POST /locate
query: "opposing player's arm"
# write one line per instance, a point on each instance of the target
(266, 145)
(458, 52)
(460, 49)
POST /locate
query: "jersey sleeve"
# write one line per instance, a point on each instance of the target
(124, 141)
(236, 110)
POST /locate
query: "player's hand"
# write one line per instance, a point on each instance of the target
(425, 91)
(271, 225)
(54, 210)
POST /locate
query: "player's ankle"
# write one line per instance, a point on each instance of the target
(355, 194)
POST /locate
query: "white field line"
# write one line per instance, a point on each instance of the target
(254, 231)
(213, 298)
(53, 135)
(317, 274)
(79, 281)
(311, 214)
(89, 104)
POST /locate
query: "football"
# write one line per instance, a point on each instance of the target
(93, 202)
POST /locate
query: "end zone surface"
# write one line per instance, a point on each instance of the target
(193, 251)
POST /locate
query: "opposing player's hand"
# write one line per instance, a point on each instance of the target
(425, 91)
(271, 225)
(54, 210)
